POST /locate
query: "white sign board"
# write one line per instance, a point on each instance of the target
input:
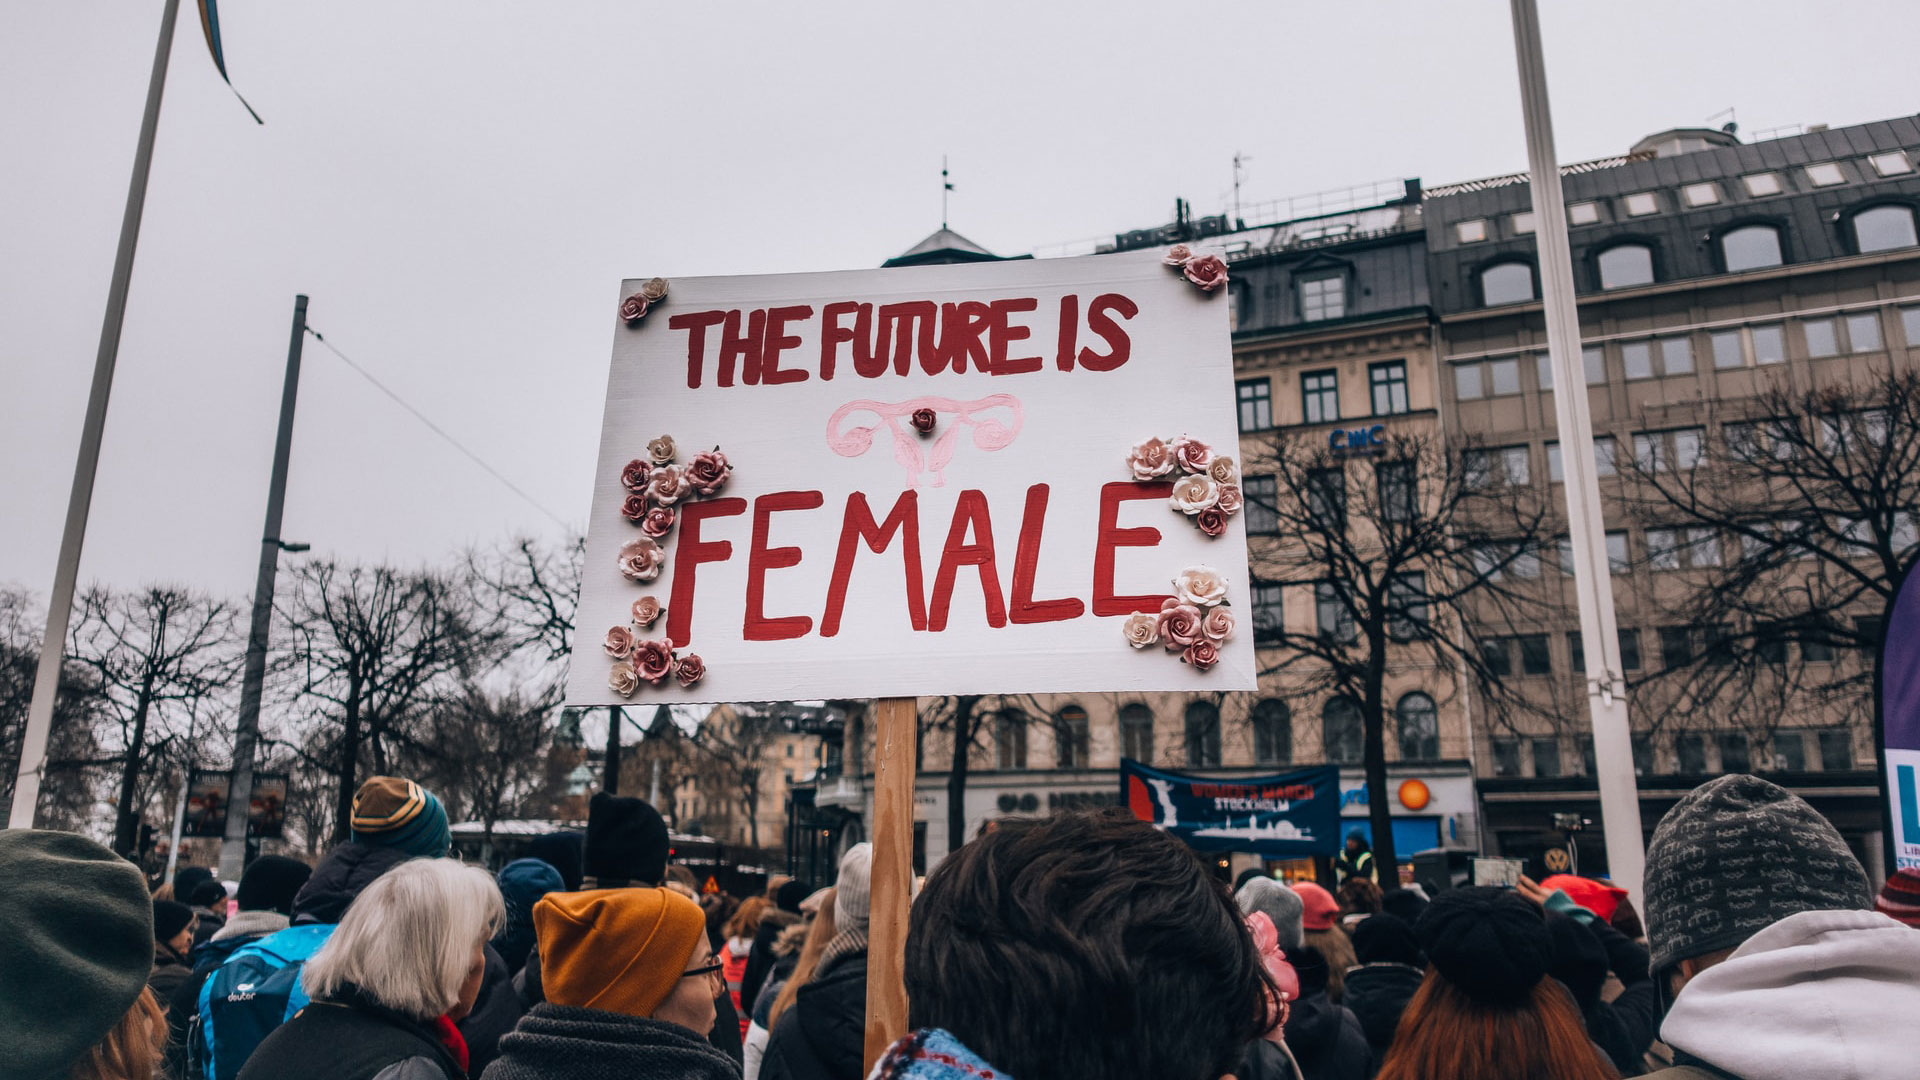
(847, 553)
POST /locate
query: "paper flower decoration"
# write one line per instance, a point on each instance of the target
(1209, 272)
(1206, 485)
(1194, 622)
(923, 421)
(634, 308)
(655, 486)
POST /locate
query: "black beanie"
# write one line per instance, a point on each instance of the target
(560, 850)
(1735, 856)
(1387, 939)
(789, 895)
(188, 878)
(626, 841)
(1579, 960)
(1405, 903)
(206, 894)
(169, 918)
(271, 882)
(1490, 942)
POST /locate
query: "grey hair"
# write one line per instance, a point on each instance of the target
(407, 941)
(1279, 903)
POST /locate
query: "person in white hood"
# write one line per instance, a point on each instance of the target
(1760, 922)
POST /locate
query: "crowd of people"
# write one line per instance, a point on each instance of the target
(1072, 947)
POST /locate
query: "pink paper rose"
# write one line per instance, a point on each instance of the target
(1230, 499)
(622, 679)
(1193, 493)
(653, 660)
(658, 521)
(1142, 629)
(691, 669)
(668, 486)
(1201, 654)
(1150, 458)
(634, 476)
(1206, 271)
(1177, 255)
(1179, 624)
(1193, 455)
(1201, 586)
(1217, 623)
(653, 290)
(641, 560)
(619, 643)
(1212, 520)
(706, 472)
(645, 610)
(634, 308)
(634, 508)
(923, 421)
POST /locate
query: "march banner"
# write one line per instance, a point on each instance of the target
(1287, 816)
(1899, 721)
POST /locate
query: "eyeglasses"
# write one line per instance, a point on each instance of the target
(711, 969)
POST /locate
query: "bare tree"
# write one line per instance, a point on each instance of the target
(1413, 551)
(966, 720)
(155, 653)
(72, 746)
(487, 751)
(530, 592)
(732, 746)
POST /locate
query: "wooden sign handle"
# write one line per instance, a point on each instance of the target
(892, 883)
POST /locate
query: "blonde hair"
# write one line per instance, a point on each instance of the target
(1336, 948)
(817, 937)
(407, 942)
(131, 1051)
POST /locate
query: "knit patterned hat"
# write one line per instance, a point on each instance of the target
(1735, 856)
(1900, 897)
(396, 813)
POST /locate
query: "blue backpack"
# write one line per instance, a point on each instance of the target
(255, 991)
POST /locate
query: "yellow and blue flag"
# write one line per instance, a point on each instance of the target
(210, 25)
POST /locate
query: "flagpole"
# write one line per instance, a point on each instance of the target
(46, 681)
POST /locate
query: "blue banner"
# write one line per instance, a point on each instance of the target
(1287, 816)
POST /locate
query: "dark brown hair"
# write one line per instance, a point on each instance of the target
(1085, 946)
(1359, 896)
(1447, 1035)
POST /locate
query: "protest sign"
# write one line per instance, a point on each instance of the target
(1898, 718)
(925, 483)
(1287, 816)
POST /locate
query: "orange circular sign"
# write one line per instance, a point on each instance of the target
(1414, 794)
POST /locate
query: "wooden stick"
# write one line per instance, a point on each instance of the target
(892, 884)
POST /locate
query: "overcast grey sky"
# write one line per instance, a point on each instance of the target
(461, 187)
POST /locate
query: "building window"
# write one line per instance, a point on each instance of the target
(1389, 385)
(1521, 224)
(1331, 613)
(1618, 561)
(1728, 349)
(1676, 355)
(1863, 332)
(1506, 757)
(1642, 754)
(1471, 232)
(1626, 264)
(1676, 646)
(1546, 757)
(1836, 751)
(1506, 283)
(1467, 382)
(1910, 326)
(1010, 741)
(1256, 404)
(1327, 499)
(1407, 606)
(1790, 751)
(1583, 213)
(1268, 612)
(1690, 754)
(1734, 756)
(1750, 247)
(1543, 370)
(1536, 658)
(1496, 655)
(1399, 491)
(1594, 359)
(1419, 728)
(1563, 550)
(1323, 298)
(1642, 203)
(1071, 737)
(1759, 185)
(1577, 649)
(1272, 732)
(1260, 498)
(1320, 396)
(1769, 344)
(1636, 359)
(1825, 174)
(1884, 228)
(1629, 648)
(1668, 451)
(1891, 163)
(1702, 194)
(1503, 376)
(1340, 731)
(1816, 652)
(1823, 338)
(1136, 733)
(1203, 735)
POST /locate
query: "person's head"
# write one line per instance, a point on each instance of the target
(185, 880)
(1734, 856)
(209, 894)
(1486, 1009)
(1245, 876)
(560, 850)
(819, 933)
(1405, 904)
(391, 812)
(414, 941)
(270, 883)
(627, 842)
(1356, 842)
(1359, 896)
(1579, 960)
(746, 918)
(640, 952)
(1278, 903)
(851, 899)
(792, 892)
(173, 926)
(1318, 907)
(78, 947)
(1336, 948)
(1387, 939)
(684, 876)
(1900, 897)
(1085, 945)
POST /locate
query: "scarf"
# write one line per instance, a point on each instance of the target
(844, 944)
(592, 1044)
(449, 1035)
(933, 1054)
(251, 924)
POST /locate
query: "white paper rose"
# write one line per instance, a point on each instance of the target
(1142, 629)
(1201, 586)
(622, 679)
(1223, 470)
(641, 560)
(1192, 494)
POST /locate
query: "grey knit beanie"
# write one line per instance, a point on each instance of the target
(1277, 902)
(1735, 856)
(852, 898)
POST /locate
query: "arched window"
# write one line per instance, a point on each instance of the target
(1626, 264)
(1070, 738)
(1136, 733)
(1272, 732)
(1506, 283)
(1884, 228)
(1340, 731)
(1419, 728)
(1203, 734)
(1750, 247)
(1010, 741)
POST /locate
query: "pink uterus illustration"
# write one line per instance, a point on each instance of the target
(988, 433)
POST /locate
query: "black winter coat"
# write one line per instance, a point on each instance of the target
(823, 1035)
(1377, 994)
(341, 875)
(1326, 1040)
(1626, 1026)
(495, 1011)
(351, 1039)
(759, 963)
